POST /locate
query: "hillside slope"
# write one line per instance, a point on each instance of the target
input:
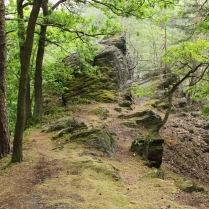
(58, 174)
(71, 166)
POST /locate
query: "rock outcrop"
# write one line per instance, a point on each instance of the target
(112, 62)
(182, 144)
(99, 138)
(150, 148)
(112, 54)
(146, 118)
(66, 124)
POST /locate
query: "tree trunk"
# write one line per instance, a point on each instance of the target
(38, 100)
(168, 111)
(4, 130)
(26, 39)
(28, 102)
(170, 92)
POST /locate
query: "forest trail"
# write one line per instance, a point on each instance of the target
(58, 175)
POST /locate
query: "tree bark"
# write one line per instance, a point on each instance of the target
(38, 100)
(26, 39)
(28, 102)
(4, 130)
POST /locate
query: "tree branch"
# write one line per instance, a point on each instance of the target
(55, 43)
(175, 86)
(62, 27)
(200, 77)
(27, 4)
(57, 4)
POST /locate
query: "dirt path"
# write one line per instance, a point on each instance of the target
(17, 181)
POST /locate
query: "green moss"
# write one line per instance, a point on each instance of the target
(162, 105)
(97, 88)
(102, 112)
(61, 136)
(108, 172)
(98, 138)
(78, 100)
(104, 95)
(155, 173)
(189, 186)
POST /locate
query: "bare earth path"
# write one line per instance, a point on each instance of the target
(17, 181)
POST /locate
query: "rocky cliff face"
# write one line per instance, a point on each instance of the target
(112, 54)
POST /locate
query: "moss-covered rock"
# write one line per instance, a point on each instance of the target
(130, 124)
(103, 96)
(158, 104)
(118, 109)
(112, 62)
(153, 102)
(146, 118)
(150, 148)
(99, 138)
(94, 88)
(102, 112)
(125, 103)
(189, 186)
(68, 124)
(162, 105)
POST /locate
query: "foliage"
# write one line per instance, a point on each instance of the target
(189, 60)
(205, 110)
(150, 38)
(200, 90)
(139, 91)
(68, 30)
(188, 52)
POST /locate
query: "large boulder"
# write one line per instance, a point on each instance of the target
(182, 102)
(119, 42)
(146, 118)
(150, 147)
(112, 57)
(99, 138)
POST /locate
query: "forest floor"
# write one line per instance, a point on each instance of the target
(58, 175)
